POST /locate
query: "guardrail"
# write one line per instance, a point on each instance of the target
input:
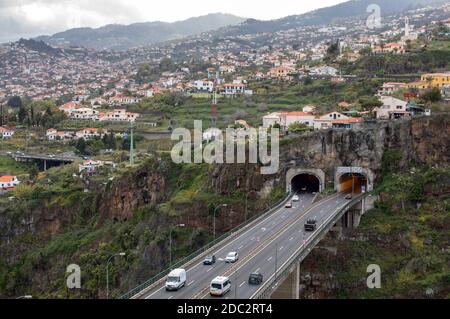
(196, 255)
(288, 267)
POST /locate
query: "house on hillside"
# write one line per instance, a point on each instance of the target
(90, 133)
(285, 119)
(336, 120)
(6, 132)
(8, 182)
(392, 108)
(389, 88)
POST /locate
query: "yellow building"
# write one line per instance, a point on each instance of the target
(280, 72)
(431, 80)
(436, 79)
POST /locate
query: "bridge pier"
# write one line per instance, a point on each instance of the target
(290, 288)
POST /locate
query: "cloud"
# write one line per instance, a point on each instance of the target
(29, 18)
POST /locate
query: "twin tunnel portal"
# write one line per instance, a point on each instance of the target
(354, 180)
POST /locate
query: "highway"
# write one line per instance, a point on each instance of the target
(262, 248)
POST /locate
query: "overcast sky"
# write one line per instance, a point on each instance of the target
(28, 18)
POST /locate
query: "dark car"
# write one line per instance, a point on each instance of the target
(349, 196)
(209, 260)
(311, 225)
(255, 279)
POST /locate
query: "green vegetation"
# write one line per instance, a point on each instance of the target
(73, 230)
(407, 235)
(11, 167)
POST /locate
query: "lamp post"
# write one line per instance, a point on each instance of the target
(107, 272)
(214, 221)
(170, 243)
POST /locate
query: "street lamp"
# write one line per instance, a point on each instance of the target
(170, 243)
(214, 222)
(107, 271)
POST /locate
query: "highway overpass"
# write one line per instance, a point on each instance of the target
(272, 245)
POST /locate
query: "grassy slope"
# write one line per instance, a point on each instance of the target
(407, 235)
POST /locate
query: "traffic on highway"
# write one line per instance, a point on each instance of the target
(238, 268)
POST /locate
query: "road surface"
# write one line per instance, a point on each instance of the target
(261, 248)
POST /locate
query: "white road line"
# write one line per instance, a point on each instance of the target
(209, 269)
(257, 270)
(171, 297)
(253, 238)
(223, 248)
(242, 284)
(240, 247)
(281, 248)
(292, 238)
(191, 282)
(269, 259)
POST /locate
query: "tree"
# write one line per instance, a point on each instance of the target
(333, 49)
(22, 114)
(299, 127)
(81, 146)
(15, 102)
(34, 173)
(308, 81)
(433, 95)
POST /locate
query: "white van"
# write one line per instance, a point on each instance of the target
(220, 286)
(176, 279)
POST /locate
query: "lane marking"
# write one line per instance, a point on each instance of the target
(242, 284)
(191, 283)
(257, 270)
(209, 269)
(171, 297)
(269, 259)
(273, 215)
(240, 247)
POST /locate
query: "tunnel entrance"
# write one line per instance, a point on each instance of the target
(305, 183)
(353, 183)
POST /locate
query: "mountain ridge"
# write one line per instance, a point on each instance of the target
(118, 36)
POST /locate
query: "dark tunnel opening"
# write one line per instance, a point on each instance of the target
(305, 183)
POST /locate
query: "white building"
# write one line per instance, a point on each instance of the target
(392, 108)
(205, 86)
(336, 120)
(323, 71)
(287, 119)
(234, 88)
(7, 182)
(84, 113)
(119, 115)
(389, 88)
(6, 133)
(90, 133)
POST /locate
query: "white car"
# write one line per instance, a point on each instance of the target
(176, 280)
(295, 198)
(220, 286)
(232, 257)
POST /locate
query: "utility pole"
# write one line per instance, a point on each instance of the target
(131, 143)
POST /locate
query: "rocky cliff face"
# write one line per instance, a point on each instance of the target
(147, 185)
(424, 141)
